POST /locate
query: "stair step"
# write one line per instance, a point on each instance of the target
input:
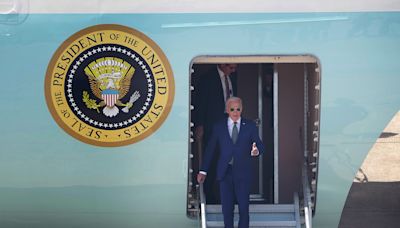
(256, 208)
(256, 224)
(275, 217)
(261, 215)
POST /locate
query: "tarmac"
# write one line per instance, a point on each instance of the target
(374, 197)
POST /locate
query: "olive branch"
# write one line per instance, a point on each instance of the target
(90, 103)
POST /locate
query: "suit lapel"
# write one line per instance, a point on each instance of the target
(218, 84)
(243, 127)
(226, 132)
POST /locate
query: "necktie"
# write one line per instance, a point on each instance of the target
(227, 89)
(235, 133)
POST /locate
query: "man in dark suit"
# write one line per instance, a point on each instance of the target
(239, 142)
(214, 88)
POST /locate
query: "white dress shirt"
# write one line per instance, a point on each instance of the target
(231, 124)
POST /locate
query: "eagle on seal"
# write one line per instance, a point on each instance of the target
(110, 81)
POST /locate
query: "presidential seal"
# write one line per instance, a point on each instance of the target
(109, 85)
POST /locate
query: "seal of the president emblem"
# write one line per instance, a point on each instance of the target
(109, 85)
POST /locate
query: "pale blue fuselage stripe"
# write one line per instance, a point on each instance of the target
(49, 178)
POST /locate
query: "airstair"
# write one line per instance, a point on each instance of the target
(268, 215)
(295, 215)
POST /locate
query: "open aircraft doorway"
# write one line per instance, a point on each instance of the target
(281, 94)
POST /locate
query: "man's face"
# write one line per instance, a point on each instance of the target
(228, 68)
(234, 110)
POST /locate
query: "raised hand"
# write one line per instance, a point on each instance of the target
(254, 150)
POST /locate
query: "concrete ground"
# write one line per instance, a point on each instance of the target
(374, 197)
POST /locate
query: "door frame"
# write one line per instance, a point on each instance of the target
(259, 59)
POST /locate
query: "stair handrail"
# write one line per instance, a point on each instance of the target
(307, 197)
(203, 207)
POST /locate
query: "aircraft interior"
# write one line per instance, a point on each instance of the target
(281, 94)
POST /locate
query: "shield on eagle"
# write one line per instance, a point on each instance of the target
(110, 97)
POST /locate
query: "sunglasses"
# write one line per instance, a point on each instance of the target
(232, 109)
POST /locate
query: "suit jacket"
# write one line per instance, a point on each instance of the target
(241, 151)
(210, 102)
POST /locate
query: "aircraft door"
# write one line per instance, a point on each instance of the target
(282, 95)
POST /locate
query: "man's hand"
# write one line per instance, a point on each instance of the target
(254, 150)
(201, 178)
